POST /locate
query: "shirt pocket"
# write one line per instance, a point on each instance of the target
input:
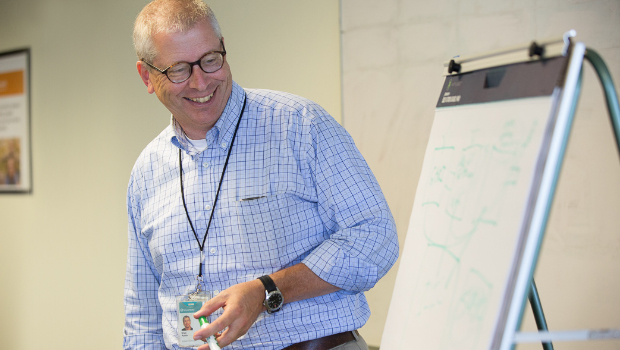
(278, 231)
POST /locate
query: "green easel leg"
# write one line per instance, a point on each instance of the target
(539, 315)
(608, 87)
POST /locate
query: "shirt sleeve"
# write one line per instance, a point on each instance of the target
(143, 313)
(363, 244)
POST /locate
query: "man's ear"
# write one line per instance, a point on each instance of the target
(143, 70)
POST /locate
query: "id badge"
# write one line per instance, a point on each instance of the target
(187, 325)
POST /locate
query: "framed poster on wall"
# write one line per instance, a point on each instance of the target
(15, 154)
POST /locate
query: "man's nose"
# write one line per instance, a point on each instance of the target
(199, 79)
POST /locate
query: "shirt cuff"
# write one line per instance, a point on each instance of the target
(334, 265)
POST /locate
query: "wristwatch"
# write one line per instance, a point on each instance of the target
(273, 298)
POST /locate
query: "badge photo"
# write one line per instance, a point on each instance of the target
(187, 325)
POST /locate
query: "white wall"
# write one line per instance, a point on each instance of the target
(393, 51)
(63, 248)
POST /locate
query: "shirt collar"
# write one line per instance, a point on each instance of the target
(222, 132)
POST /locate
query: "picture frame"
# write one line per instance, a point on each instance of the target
(15, 143)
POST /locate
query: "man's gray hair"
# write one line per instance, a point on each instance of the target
(169, 16)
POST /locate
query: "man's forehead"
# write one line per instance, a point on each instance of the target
(186, 46)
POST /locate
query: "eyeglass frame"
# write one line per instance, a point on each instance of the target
(191, 64)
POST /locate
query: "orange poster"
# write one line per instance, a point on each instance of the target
(12, 83)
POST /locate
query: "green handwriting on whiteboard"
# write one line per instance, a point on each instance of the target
(472, 178)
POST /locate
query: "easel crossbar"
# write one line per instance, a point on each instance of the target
(586, 334)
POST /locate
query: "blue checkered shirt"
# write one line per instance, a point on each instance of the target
(315, 202)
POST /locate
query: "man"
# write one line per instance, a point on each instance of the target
(187, 323)
(245, 184)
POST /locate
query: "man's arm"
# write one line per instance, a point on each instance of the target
(143, 314)
(242, 303)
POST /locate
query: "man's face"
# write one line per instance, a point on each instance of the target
(187, 322)
(198, 102)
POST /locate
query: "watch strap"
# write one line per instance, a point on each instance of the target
(270, 286)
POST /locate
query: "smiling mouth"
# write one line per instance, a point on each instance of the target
(201, 99)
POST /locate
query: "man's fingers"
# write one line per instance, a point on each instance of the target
(242, 303)
(209, 307)
(230, 324)
(232, 333)
(225, 338)
(217, 326)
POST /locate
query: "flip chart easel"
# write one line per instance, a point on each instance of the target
(483, 199)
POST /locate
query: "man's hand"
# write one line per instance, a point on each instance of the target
(242, 303)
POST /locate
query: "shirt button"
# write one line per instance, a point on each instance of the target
(208, 206)
(206, 165)
(216, 292)
(224, 144)
(212, 250)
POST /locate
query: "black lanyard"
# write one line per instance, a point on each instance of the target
(202, 246)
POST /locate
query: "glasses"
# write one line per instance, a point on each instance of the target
(179, 72)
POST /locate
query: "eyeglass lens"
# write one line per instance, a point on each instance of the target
(209, 63)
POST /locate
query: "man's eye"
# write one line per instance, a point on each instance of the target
(176, 69)
(209, 60)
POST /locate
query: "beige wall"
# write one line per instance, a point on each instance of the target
(393, 52)
(63, 248)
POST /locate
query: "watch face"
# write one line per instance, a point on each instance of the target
(274, 301)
